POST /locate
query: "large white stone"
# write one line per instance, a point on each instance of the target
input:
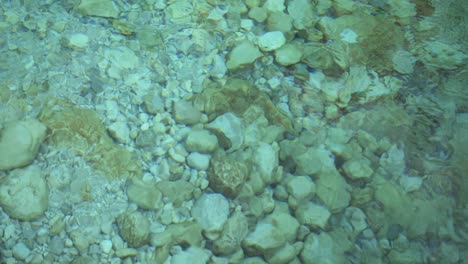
(24, 194)
(20, 142)
(198, 161)
(271, 41)
(77, 41)
(211, 212)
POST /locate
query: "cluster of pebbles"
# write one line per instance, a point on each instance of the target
(215, 131)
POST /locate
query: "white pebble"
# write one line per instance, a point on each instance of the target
(106, 246)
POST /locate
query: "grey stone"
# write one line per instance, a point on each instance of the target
(185, 113)
(202, 141)
(271, 40)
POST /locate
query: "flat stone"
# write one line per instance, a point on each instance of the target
(242, 55)
(185, 113)
(271, 40)
(202, 141)
(99, 8)
(77, 41)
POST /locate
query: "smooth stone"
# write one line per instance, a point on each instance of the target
(198, 161)
(271, 40)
